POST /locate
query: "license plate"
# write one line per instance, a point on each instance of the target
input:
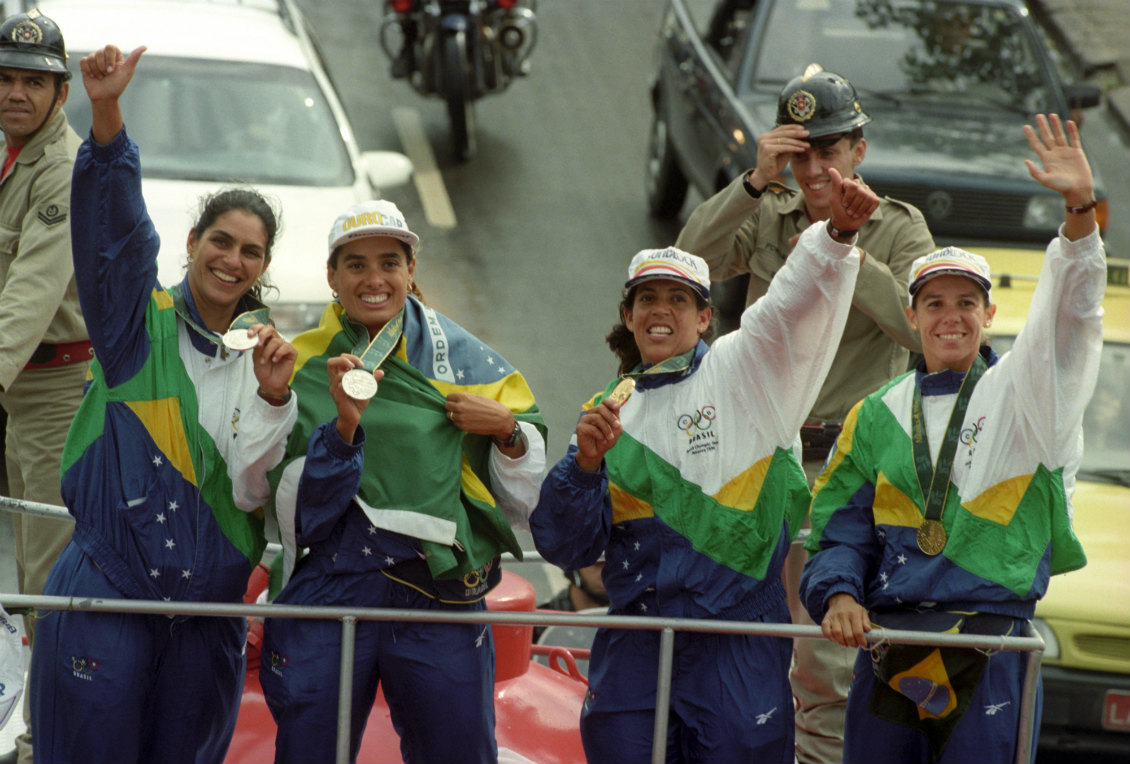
(1116, 711)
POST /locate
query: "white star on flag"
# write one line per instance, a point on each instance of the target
(366, 551)
(169, 543)
(173, 506)
(154, 573)
(902, 559)
(186, 574)
(157, 460)
(160, 517)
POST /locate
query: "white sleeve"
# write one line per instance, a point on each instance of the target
(777, 361)
(516, 482)
(263, 432)
(1053, 366)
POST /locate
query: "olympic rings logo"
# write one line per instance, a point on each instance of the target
(83, 665)
(969, 434)
(700, 420)
(279, 660)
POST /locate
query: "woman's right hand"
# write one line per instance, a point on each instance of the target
(348, 409)
(846, 621)
(105, 75)
(597, 432)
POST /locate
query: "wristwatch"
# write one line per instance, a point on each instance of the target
(749, 189)
(510, 442)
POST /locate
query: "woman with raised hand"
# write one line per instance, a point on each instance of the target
(946, 503)
(165, 467)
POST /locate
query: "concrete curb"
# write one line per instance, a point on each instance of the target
(1096, 35)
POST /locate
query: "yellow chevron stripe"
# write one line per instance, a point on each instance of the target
(511, 390)
(742, 491)
(843, 448)
(162, 420)
(998, 503)
(893, 507)
(627, 507)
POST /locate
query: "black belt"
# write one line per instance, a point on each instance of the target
(818, 439)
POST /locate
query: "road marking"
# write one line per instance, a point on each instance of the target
(426, 174)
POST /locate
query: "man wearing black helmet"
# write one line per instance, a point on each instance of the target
(750, 226)
(44, 349)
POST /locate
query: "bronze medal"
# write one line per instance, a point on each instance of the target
(623, 391)
(931, 537)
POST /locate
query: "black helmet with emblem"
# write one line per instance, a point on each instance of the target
(33, 41)
(822, 102)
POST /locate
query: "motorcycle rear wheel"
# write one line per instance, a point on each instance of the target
(456, 90)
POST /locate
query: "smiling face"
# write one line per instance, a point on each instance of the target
(810, 168)
(371, 277)
(27, 100)
(949, 313)
(665, 319)
(224, 263)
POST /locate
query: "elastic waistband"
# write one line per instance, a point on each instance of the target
(48, 355)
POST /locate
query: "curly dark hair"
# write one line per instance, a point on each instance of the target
(623, 343)
(245, 199)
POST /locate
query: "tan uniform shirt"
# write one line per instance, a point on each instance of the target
(738, 234)
(38, 299)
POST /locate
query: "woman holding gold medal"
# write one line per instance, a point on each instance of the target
(690, 488)
(165, 466)
(946, 504)
(416, 448)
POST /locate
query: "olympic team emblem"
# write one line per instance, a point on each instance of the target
(84, 668)
(476, 581)
(969, 436)
(698, 428)
(802, 105)
(279, 661)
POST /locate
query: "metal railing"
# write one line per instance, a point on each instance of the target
(1031, 644)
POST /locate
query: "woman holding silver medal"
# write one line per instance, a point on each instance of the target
(691, 489)
(946, 503)
(165, 466)
(398, 490)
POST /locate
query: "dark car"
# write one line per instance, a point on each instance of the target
(948, 83)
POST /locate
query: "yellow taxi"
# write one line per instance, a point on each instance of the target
(1085, 616)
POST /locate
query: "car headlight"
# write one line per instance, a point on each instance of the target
(1051, 644)
(1044, 211)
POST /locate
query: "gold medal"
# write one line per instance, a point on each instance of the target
(931, 537)
(623, 391)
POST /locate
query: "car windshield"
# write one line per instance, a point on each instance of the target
(901, 49)
(1106, 422)
(227, 121)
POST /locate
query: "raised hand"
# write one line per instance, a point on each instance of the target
(853, 202)
(105, 75)
(774, 150)
(1065, 170)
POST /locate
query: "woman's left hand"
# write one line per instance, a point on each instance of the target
(273, 359)
(479, 415)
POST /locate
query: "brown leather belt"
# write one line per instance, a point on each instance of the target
(48, 355)
(818, 438)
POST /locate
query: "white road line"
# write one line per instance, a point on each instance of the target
(426, 174)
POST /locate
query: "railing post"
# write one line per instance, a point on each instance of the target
(663, 695)
(345, 689)
(1027, 726)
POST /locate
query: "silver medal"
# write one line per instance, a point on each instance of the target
(239, 340)
(359, 384)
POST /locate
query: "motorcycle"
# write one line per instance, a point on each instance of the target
(460, 51)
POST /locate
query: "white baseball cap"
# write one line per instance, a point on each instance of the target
(950, 261)
(670, 263)
(377, 217)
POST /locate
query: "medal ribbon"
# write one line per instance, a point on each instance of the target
(372, 354)
(674, 363)
(938, 477)
(259, 314)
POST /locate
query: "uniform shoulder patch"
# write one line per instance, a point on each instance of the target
(777, 187)
(52, 214)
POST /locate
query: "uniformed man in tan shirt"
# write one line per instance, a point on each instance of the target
(44, 349)
(750, 227)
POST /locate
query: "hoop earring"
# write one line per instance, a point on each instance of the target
(334, 293)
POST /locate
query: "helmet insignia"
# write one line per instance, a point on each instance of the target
(802, 105)
(27, 32)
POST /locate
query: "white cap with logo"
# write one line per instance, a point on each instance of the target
(377, 217)
(950, 261)
(670, 263)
